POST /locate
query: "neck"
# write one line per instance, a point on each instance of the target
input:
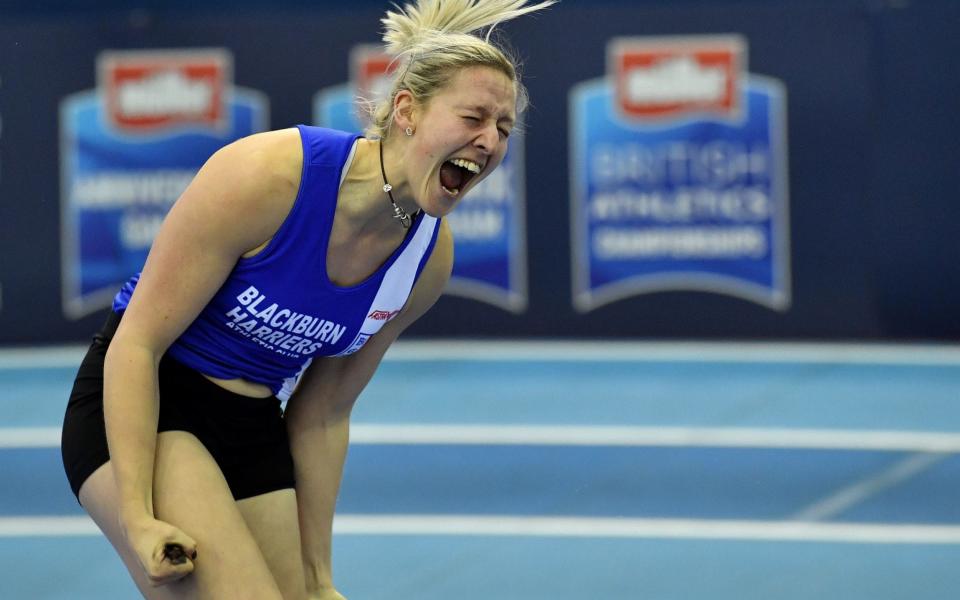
(399, 213)
(369, 206)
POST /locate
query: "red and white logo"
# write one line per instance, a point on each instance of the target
(664, 78)
(370, 71)
(383, 315)
(371, 68)
(149, 90)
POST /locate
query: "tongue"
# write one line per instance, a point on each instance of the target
(451, 176)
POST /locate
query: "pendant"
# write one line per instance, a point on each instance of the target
(399, 213)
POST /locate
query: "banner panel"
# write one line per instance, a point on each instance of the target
(678, 175)
(129, 148)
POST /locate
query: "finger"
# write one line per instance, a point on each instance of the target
(175, 554)
(168, 572)
(178, 548)
(173, 560)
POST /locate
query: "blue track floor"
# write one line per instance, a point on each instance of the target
(608, 481)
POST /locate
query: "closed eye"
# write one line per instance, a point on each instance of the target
(504, 132)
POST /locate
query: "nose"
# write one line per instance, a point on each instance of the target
(487, 139)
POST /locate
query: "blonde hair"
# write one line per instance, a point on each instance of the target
(434, 39)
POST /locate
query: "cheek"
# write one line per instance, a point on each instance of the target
(423, 161)
(430, 152)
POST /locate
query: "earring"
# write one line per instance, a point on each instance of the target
(408, 131)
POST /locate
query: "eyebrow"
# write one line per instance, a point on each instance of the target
(486, 111)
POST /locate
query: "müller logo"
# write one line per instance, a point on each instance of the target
(383, 315)
(371, 68)
(666, 78)
(154, 90)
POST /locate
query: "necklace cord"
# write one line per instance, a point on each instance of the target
(398, 212)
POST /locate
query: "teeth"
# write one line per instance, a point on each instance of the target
(467, 164)
(451, 192)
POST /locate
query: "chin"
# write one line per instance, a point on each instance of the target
(438, 211)
(440, 206)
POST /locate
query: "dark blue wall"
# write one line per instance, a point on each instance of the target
(873, 89)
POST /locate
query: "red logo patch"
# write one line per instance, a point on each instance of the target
(370, 70)
(662, 78)
(383, 315)
(146, 91)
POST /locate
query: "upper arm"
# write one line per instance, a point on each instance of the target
(236, 202)
(338, 381)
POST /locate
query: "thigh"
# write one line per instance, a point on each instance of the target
(189, 492)
(273, 521)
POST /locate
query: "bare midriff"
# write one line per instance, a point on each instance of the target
(242, 387)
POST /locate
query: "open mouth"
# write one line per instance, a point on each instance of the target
(456, 173)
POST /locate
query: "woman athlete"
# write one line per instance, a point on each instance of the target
(284, 272)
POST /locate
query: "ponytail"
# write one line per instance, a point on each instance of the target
(431, 18)
(434, 39)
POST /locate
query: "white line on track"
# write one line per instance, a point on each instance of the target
(576, 435)
(597, 351)
(522, 526)
(859, 491)
(48, 526)
(29, 437)
(693, 351)
(496, 525)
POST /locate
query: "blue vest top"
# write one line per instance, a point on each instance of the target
(278, 309)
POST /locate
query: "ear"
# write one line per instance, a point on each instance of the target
(405, 110)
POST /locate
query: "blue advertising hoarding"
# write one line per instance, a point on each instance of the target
(678, 175)
(129, 148)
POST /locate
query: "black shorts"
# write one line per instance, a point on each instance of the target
(246, 436)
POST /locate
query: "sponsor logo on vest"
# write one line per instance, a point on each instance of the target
(356, 345)
(280, 329)
(383, 315)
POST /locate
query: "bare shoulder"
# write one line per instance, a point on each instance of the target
(281, 151)
(254, 180)
(272, 161)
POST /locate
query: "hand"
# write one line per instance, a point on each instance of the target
(165, 553)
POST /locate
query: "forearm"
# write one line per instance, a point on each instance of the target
(318, 442)
(131, 409)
